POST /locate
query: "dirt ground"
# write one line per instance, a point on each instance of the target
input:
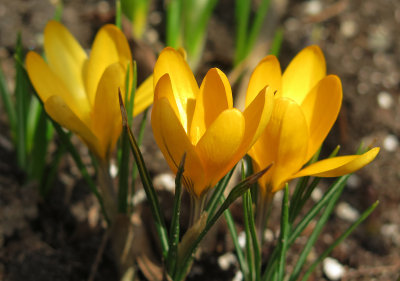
(57, 238)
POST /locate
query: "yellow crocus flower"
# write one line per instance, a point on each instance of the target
(80, 92)
(202, 122)
(307, 103)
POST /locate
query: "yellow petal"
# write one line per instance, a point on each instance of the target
(257, 115)
(321, 108)
(47, 83)
(215, 96)
(338, 166)
(303, 73)
(109, 46)
(144, 96)
(219, 144)
(184, 85)
(284, 143)
(65, 57)
(267, 73)
(173, 142)
(62, 114)
(106, 114)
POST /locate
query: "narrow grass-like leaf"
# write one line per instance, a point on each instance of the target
(118, 13)
(22, 98)
(314, 236)
(232, 230)
(59, 10)
(147, 184)
(217, 193)
(363, 216)
(175, 225)
(236, 192)
(250, 255)
(336, 187)
(277, 42)
(285, 229)
(174, 23)
(37, 156)
(242, 13)
(261, 13)
(8, 105)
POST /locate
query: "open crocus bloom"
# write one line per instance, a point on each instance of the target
(80, 92)
(202, 122)
(307, 103)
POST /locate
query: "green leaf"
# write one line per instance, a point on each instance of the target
(285, 230)
(9, 106)
(340, 239)
(175, 225)
(147, 183)
(236, 192)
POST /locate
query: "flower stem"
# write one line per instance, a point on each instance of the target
(107, 189)
(197, 206)
(264, 205)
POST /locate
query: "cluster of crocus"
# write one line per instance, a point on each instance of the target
(202, 122)
(81, 92)
(307, 103)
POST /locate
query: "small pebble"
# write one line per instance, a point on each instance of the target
(268, 235)
(348, 28)
(385, 100)
(392, 231)
(238, 276)
(379, 39)
(226, 261)
(317, 194)
(312, 7)
(354, 181)
(242, 239)
(113, 170)
(390, 143)
(346, 212)
(333, 269)
(165, 181)
(139, 197)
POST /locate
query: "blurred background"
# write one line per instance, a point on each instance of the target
(56, 238)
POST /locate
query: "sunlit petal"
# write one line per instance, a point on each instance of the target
(106, 114)
(109, 46)
(267, 73)
(65, 57)
(338, 166)
(62, 114)
(257, 115)
(303, 73)
(173, 142)
(284, 143)
(321, 108)
(184, 85)
(215, 96)
(144, 96)
(47, 84)
(220, 143)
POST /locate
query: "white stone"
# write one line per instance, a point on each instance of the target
(238, 276)
(348, 28)
(354, 181)
(390, 143)
(166, 181)
(333, 269)
(317, 194)
(113, 170)
(242, 239)
(385, 100)
(346, 212)
(268, 235)
(226, 261)
(313, 7)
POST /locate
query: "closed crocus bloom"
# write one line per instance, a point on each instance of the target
(307, 103)
(202, 122)
(80, 92)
